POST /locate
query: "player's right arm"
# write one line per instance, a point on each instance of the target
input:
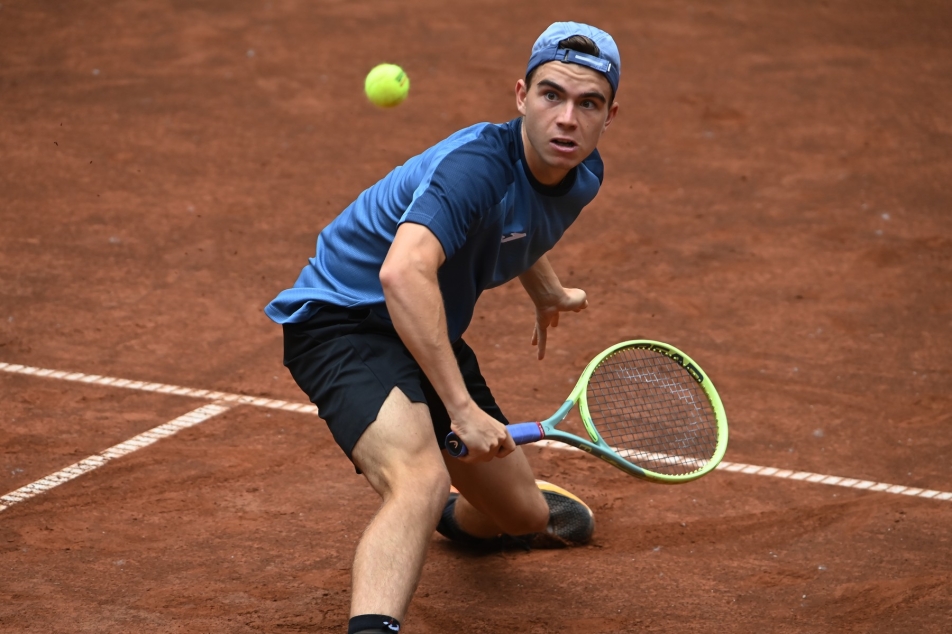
(412, 293)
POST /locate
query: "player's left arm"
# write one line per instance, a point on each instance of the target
(550, 299)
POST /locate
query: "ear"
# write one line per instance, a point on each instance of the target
(611, 115)
(522, 92)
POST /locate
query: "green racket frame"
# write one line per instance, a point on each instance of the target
(598, 447)
(524, 433)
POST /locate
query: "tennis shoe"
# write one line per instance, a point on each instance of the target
(571, 522)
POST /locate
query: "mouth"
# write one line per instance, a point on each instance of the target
(563, 145)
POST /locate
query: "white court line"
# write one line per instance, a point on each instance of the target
(819, 478)
(161, 388)
(126, 447)
(309, 408)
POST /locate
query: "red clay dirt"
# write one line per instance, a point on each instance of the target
(776, 204)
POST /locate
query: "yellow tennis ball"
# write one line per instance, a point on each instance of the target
(387, 85)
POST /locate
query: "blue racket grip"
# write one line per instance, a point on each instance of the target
(522, 433)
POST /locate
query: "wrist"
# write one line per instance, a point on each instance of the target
(459, 407)
(549, 297)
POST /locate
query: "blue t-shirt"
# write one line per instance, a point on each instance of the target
(476, 194)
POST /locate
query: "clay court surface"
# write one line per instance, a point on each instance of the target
(777, 204)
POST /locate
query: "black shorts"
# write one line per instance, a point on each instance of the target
(348, 360)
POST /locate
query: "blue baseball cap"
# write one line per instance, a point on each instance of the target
(546, 49)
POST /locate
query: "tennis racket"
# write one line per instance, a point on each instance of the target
(648, 409)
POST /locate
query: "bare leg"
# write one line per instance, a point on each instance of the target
(499, 496)
(401, 459)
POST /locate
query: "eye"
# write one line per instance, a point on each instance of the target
(550, 96)
(589, 104)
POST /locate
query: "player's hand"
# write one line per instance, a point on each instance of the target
(484, 436)
(547, 315)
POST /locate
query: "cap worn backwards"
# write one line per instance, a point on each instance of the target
(546, 49)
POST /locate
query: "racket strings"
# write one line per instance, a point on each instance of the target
(652, 412)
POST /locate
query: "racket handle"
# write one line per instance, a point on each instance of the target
(522, 433)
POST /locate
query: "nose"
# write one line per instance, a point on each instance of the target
(566, 116)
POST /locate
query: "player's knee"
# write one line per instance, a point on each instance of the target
(433, 482)
(437, 487)
(428, 485)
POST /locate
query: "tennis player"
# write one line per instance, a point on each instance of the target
(373, 326)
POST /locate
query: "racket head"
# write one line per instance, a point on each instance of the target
(650, 410)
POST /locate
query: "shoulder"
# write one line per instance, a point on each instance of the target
(483, 144)
(593, 163)
(476, 162)
(466, 175)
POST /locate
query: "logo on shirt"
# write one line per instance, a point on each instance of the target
(513, 236)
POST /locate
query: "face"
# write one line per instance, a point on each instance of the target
(566, 111)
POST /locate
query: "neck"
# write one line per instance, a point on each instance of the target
(545, 174)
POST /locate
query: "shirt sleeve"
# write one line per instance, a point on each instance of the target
(462, 182)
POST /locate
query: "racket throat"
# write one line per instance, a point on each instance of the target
(559, 416)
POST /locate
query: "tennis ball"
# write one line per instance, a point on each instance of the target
(387, 85)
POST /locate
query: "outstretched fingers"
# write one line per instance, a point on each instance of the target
(545, 318)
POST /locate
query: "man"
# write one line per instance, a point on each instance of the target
(373, 324)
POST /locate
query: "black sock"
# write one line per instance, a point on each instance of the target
(373, 624)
